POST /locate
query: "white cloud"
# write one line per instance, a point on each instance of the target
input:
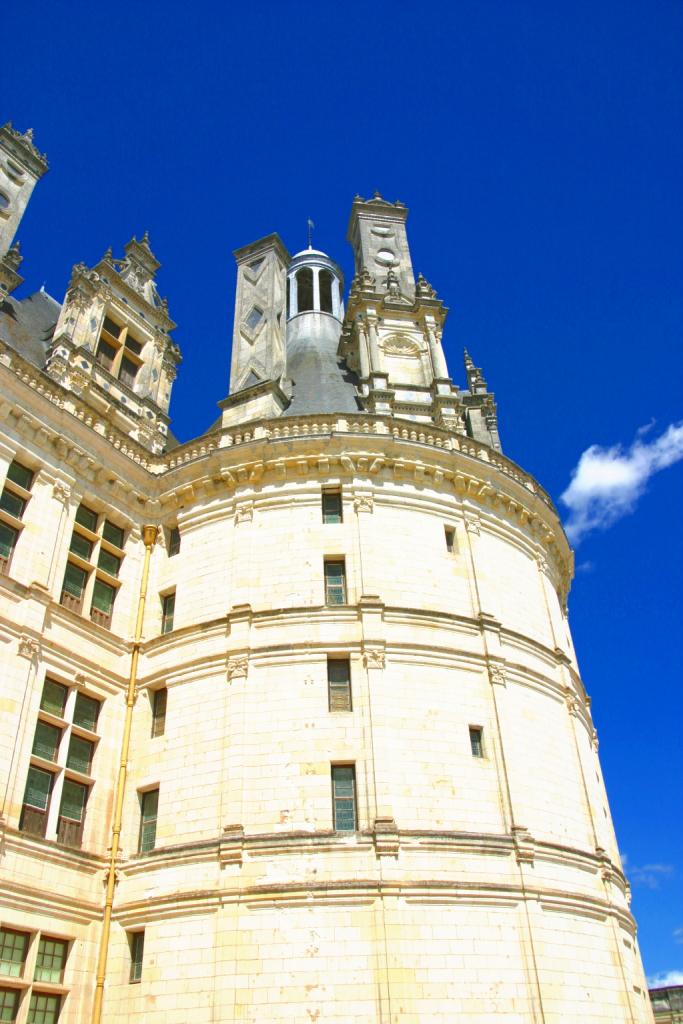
(607, 482)
(678, 935)
(665, 979)
(648, 876)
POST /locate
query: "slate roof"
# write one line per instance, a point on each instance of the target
(27, 325)
(321, 381)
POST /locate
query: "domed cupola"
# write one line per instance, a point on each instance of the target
(320, 380)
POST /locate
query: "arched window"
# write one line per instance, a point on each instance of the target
(304, 287)
(326, 279)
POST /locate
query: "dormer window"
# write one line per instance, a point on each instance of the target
(119, 352)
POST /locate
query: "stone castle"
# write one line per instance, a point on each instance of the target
(292, 725)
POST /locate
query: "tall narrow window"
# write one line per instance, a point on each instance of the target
(86, 712)
(50, 960)
(13, 947)
(332, 507)
(95, 557)
(167, 611)
(119, 352)
(335, 582)
(36, 801)
(43, 1008)
(339, 684)
(13, 501)
(159, 700)
(344, 797)
(476, 741)
(325, 280)
(304, 287)
(72, 813)
(173, 541)
(149, 807)
(137, 952)
(450, 539)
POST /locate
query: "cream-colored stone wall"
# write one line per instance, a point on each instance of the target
(476, 888)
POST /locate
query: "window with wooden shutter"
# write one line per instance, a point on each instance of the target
(46, 741)
(137, 952)
(159, 701)
(167, 612)
(339, 684)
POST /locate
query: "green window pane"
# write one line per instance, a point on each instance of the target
(86, 517)
(173, 541)
(149, 806)
(74, 798)
(335, 583)
(113, 534)
(339, 684)
(103, 597)
(80, 754)
(46, 741)
(13, 946)
(86, 711)
(475, 742)
(19, 474)
(53, 699)
(8, 538)
(43, 1009)
(344, 797)
(167, 612)
(50, 960)
(74, 581)
(9, 1003)
(110, 563)
(38, 786)
(332, 507)
(81, 546)
(12, 503)
(159, 702)
(137, 951)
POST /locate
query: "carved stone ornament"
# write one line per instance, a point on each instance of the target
(472, 524)
(244, 513)
(399, 345)
(238, 666)
(572, 701)
(363, 503)
(424, 288)
(61, 491)
(387, 837)
(374, 657)
(28, 647)
(497, 675)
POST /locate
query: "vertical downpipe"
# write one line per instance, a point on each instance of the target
(149, 536)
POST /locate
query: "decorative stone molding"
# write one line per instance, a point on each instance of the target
(374, 657)
(572, 701)
(238, 666)
(80, 680)
(231, 846)
(244, 513)
(363, 503)
(61, 491)
(525, 847)
(472, 524)
(28, 647)
(497, 675)
(386, 837)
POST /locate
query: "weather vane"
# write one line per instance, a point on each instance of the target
(311, 225)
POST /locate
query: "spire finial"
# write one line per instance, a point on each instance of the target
(311, 225)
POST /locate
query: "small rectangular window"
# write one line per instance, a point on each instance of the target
(73, 587)
(43, 1008)
(108, 562)
(50, 960)
(344, 797)
(339, 684)
(137, 952)
(173, 541)
(476, 741)
(13, 947)
(113, 534)
(12, 503)
(335, 582)
(159, 700)
(20, 475)
(36, 801)
(167, 611)
(81, 546)
(79, 757)
(46, 741)
(128, 371)
(450, 538)
(9, 1004)
(53, 699)
(72, 814)
(8, 538)
(102, 603)
(332, 507)
(87, 518)
(86, 712)
(149, 807)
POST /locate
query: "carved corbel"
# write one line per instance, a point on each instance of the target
(231, 846)
(525, 847)
(238, 666)
(374, 656)
(28, 647)
(386, 837)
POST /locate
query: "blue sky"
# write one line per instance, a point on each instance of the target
(539, 148)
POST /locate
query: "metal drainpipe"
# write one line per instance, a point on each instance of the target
(149, 535)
